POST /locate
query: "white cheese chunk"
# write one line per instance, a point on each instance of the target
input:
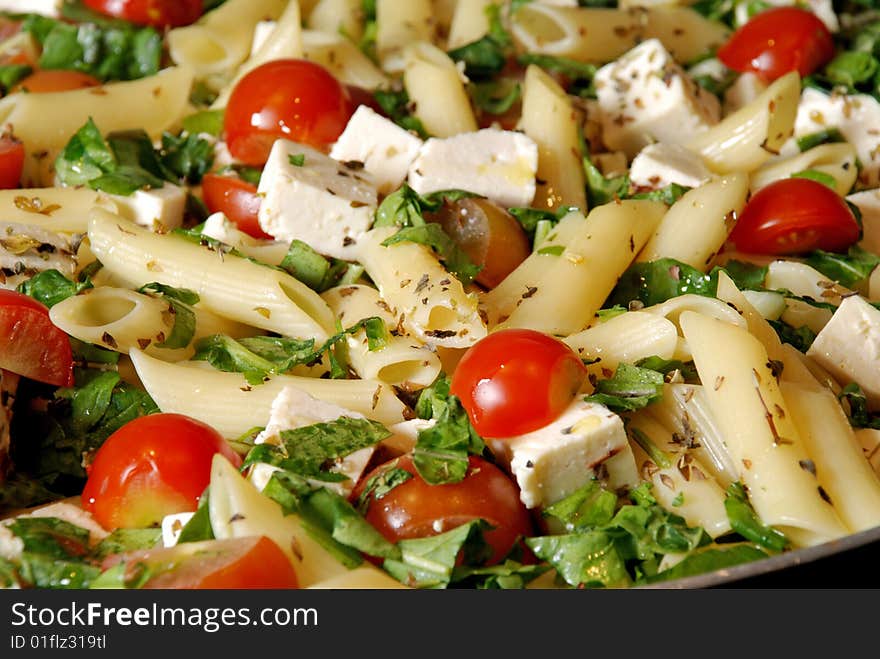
(159, 209)
(11, 545)
(50, 8)
(660, 164)
(385, 149)
(848, 347)
(219, 227)
(172, 525)
(26, 250)
(498, 164)
(745, 89)
(645, 96)
(552, 462)
(856, 116)
(294, 408)
(321, 202)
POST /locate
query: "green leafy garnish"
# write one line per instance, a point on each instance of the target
(745, 522)
(630, 388)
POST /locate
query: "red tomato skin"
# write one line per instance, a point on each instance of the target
(55, 80)
(416, 509)
(230, 564)
(11, 162)
(237, 200)
(514, 381)
(794, 216)
(290, 98)
(30, 345)
(153, 466)
(777, 41)
(157, 13)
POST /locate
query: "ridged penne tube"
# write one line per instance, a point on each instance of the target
(869, 440)
(121, 319)
(697, 225)
(601, 35)
(227, 402)
(45, 122)
(804, 281)
(843, 472)
(401, 362)
(626, 338)
(435, 87)
(230, 286)
(838, 160)
(221, 39)
(550, 119)
(343, 59)
(469, 22)
(238, 510)
(559, 288)
(64, 210)
(684, 411)
(681, 483)
(343, 17)
(285, 41)
(746, 139)
(759, 431)
(399, 23)
(425, 299)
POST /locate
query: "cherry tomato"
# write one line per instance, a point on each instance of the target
(236, 199)
(514, 381)
(415, 509)
(55, 80)
(11, 162)
(234, 563)
(30, 345)
(777, 41)
(795, 216)
(488, 234)
(153, 466)
(291, 98)
(158, 13)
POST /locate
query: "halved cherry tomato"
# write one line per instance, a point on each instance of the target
(11, 162)
(514, 381)
(55, 80)
(236, 199)
(30, 345)
(153, 466)
(158, 13)
(795, 216)
(234, 563)
(291, 98)
(488, 234)
(777, 41)
(415, 509)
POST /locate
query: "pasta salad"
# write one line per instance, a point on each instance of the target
(434, 293)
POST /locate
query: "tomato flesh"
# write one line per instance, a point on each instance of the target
(30, 345)
(777, 41)
(153, 466)
(55, 80)
(234, 563)
(158, 13)
(514, 381)
(11, 162)
(288, 98)
(794, 216)
(415, 509)
(237, 200)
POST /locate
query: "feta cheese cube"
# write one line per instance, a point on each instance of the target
(856, 116)
(51, 8)
(321, 201)
(294, 408)
(498, 164)
(159, 209)
(218, 227)
(645, 96)
(385, 149)
(552, 462)
(172, 525)
(660, 164)
(848, 347)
